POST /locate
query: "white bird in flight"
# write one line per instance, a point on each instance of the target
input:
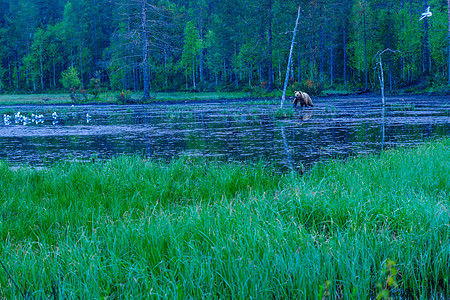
(426, 14)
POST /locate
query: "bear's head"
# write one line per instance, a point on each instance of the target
(298, 94)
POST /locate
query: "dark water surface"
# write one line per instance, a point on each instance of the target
(229, 130)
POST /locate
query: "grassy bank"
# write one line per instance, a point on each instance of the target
(21, 99)
(112, 97)
(129, 228)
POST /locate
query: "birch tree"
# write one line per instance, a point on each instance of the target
(191, 50)
(290, 58)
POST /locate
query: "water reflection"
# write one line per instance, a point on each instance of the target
(286, 148)
(228, 131)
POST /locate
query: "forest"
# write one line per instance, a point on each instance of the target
(222, 45)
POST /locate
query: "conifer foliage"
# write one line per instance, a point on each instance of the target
(173, 45)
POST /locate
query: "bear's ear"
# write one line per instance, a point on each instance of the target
(295, 92)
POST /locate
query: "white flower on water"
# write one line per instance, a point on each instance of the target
(39, 119)
(7, 119)
(18, 118)
(55, 118)
(26, 120)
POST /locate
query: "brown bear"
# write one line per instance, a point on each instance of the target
(302, 98)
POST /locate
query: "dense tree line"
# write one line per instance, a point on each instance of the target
(146, 45)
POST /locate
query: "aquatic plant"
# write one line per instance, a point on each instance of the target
(284, 113)
(331, 109)
(402, 107)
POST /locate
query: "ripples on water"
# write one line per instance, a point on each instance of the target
(233, 130)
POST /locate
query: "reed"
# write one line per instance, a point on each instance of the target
(190, 228)
(282, 113)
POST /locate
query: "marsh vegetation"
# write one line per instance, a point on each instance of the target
(130, 227)
(119, 201)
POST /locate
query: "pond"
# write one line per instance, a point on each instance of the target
(239, 130)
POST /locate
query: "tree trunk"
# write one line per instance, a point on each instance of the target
(283, 97)
(311, 58)
(331, 66)
(426, 46)
(345, 56)
(54, 72)
(381, 74)
(9, 71)
(202, 51)
(236, 73)
(381, 80)
(135, 80)
(279, 67)
(322, 53)
(193, 73)
(270, 86)
(448, 67)
(144, 50)
(81, 64)
(365, 52)
(41, 67)
(299, 63)
(17, 74)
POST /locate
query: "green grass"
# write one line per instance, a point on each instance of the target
(283, 113)
(111, 97)
(35, 99)
(130, 228)
(180, 96)
(402, 107)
